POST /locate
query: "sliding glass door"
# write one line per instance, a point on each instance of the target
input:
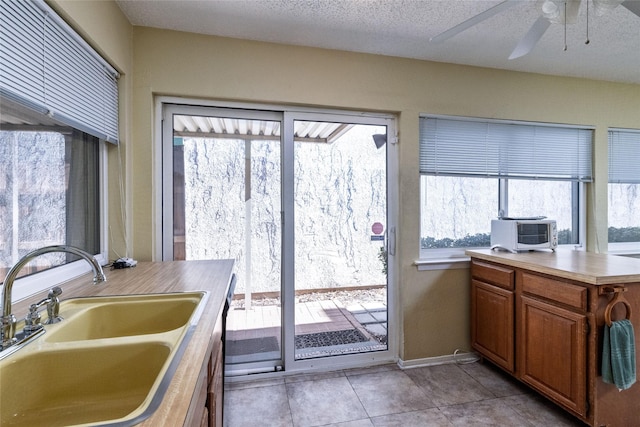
(299, 201)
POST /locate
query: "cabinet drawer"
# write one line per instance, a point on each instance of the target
(489, 273)
(555, 290)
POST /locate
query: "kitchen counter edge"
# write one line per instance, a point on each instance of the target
(587, 267)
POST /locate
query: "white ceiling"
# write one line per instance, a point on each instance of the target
(403, 28)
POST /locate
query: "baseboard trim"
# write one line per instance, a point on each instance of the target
(438, 360)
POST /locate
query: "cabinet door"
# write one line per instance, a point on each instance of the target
(553, 353)
(216, 390)
(492, 327)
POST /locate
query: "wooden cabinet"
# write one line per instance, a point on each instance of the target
(538, 320)
(553, 352)
(544, 326)
(492, 311)
(553, 339)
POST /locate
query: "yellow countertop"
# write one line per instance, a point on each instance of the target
(587, 267)
(160, 277)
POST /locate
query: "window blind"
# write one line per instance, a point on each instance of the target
(624, 156)
(496, 149)
(46, 66)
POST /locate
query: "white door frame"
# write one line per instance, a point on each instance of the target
(163, 209)
(288, 303)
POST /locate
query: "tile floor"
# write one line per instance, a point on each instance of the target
(445, 395)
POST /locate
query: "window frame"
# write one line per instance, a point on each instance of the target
(44, 280)
(445, 256)
(620, 248)
(455, 257)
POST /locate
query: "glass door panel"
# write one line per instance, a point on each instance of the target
(340, 211)
(227, 205)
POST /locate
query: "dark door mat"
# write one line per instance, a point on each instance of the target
(251, 346)
(328, 339)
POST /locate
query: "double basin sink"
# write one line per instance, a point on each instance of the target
(108, 362)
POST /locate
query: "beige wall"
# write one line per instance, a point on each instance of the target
(434, 304)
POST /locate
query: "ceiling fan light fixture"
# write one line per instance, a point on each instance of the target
(602, 7)
(561, 11)
(550, 10)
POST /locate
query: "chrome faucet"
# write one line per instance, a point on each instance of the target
(8, 331)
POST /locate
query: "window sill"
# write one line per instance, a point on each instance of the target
(630, 254)
(442, 263)
(32, 284)
(631, 249)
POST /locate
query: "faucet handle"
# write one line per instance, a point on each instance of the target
(32, 321)
(53, 306)
(7, 331)
(55, 292)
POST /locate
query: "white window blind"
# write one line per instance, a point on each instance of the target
(624, 156)
(497, 149)
(46, 66)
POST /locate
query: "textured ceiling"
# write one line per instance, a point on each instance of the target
(403, 28)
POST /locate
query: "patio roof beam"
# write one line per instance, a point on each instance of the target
(244, 137)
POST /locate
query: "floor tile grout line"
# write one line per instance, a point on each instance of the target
(477, 381)
(286, 391)
(359, 398)
(421, 389)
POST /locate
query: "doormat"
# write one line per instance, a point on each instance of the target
(328, 339)
(251, 346)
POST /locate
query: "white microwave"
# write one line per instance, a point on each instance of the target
(524, 234)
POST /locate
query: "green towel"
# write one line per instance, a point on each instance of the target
(619, 354)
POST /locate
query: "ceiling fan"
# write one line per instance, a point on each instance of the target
(552, 12)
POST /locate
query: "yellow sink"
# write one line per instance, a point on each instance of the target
(121, 316)
(78, 385)
(108, 362)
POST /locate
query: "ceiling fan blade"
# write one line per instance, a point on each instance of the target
(530, 39)
(473, 21)
(633, 6)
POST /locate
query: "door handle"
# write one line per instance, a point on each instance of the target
(391, 241)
